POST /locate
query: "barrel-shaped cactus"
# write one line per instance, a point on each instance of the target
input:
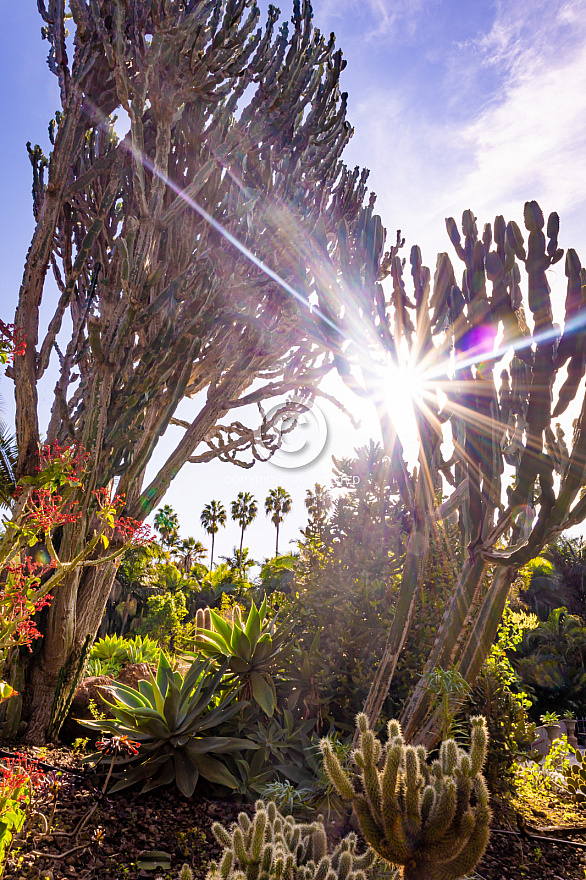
(430, 819)
(274, 847)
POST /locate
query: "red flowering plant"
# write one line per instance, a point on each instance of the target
(11, 345)
(19, 777)
(30, 566)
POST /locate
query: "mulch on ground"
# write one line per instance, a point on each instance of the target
(126, 824)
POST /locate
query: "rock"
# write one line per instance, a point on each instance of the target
(92, 689)
(133, 673)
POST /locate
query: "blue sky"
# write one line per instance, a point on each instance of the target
(455, 105)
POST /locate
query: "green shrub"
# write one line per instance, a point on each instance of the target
(164, 615)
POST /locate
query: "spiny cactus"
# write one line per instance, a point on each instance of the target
(273, 847)
(203, 619)
(575, 777)
(185, 873)
(414, 814)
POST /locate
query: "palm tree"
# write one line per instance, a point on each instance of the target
(240, 560)
(167, 524)
(318, 504)
(277, 506)
(190, 551)
(244, 511)
(212, 517)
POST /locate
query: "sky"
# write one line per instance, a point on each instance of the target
(455, 105)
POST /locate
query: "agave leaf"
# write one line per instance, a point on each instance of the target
(211, 643)
(240, 667)
(145, 688)
(253, 626)
(170, 709)
(164, 674)
(241, 646)
(220, 713)
(186, 773)
(214, 771)
(221, 626)
(195, 672)
(203, 693)
(128, 696)
(219, 744)
(263, 609)
(159, 699)
(263, 691)
(165, 775)
(137, 774)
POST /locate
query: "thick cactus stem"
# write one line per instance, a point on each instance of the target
(416, 815)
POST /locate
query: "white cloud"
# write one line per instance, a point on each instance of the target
(385, 17)
(526, 141)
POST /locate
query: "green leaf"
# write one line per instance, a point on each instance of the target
(219, 744)
(241, 645)
(263, 692)
(186, 773)
(252, 628)
(170, 709)
(221, 626)
(214, 771)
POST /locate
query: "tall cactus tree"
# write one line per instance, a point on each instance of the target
(449, 331)
(185, 255)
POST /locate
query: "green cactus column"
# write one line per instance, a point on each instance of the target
(430, 819)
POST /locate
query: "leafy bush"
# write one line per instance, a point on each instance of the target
(284, 751)
(169, 717)
(164, 616)
(498, 695)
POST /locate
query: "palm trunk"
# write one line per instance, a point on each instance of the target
(212, 553)
(240, 558)
(277, 542)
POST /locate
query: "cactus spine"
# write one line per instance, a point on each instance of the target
(273, 847)
(414, 814)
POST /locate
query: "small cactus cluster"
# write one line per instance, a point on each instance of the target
(273, 847)
(575, 777)
(430, 819)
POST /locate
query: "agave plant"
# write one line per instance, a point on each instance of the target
(253, 649)
(111, 649)
(169, 716)
(141, 649)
